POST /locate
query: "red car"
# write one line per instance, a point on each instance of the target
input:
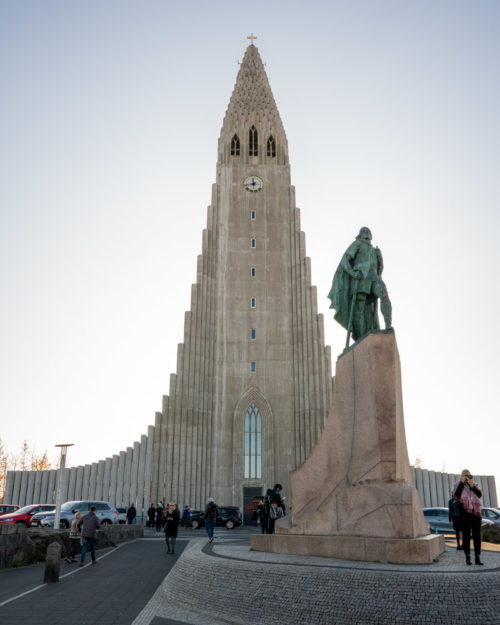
(23, 515)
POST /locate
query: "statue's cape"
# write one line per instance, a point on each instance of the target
(341, 296)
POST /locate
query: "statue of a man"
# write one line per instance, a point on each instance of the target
(357, 284)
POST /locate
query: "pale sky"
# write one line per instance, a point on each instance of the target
(110, 113)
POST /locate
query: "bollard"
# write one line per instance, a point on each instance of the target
(52, 562)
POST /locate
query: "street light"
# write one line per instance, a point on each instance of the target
(60, 482)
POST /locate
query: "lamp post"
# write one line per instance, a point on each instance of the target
(60, 482)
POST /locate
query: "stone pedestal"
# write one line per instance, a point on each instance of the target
(353, 498)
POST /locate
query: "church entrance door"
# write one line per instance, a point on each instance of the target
(251, 496)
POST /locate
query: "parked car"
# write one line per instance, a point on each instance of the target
(25, 514)
(437, 518)
(5, 508)
(122, 515)
(229, 516)
(106, 513)
(492, 514)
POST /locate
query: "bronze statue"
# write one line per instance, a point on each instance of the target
(356, 287)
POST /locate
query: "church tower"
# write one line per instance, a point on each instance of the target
(253, 384)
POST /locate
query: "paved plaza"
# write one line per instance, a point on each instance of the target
(226, 583)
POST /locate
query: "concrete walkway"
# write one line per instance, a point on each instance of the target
(226, 583)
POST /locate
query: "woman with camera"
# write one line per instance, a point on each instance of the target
(467, 492)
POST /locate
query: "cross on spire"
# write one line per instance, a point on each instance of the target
(251, 37)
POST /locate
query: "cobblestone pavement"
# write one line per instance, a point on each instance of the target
(226, 583)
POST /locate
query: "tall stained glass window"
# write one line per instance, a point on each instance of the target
(253, 442)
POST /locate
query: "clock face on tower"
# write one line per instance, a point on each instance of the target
(253, 183)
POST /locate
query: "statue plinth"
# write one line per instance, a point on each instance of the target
(353, 497)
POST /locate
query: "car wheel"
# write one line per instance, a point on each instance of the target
(63, 524)
(105, 522)
(229, 524)
(195, 524)
(21, 523)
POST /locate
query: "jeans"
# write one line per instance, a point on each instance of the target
(209, 526)
(90, 543)
(170, 544)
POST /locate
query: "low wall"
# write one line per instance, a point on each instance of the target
(20, 546)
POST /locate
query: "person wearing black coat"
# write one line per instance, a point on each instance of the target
(172, 519)
(151, 516)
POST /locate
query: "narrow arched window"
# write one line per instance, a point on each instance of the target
(271, 147)
(253, 142)
(253, 442)
(235, 146)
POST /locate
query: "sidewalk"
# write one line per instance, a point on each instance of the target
(112, 592)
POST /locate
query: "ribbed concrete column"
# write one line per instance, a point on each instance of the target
(51, 488)
(72, 484)
(149, 467)
(441, 496)
(100, 482)
(92, 481)
(133, 494)
(432, 488)
(119, 479)
(141, 506)
(44, 483)
(113, 481)
(427, 490)
(493, 492)
(30, 488)
(483, 481)
(16, 494)
(86, 481)
(127, 475)
(9, 486)
(78, 483)
(106, 488)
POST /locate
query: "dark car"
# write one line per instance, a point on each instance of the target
(437, 518)
(229, 517)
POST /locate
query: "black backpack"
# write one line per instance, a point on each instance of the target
(212, 511)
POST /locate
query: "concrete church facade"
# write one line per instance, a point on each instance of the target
(253, 385)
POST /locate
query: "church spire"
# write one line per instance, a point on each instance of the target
(252, 105)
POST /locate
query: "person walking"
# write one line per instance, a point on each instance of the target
(151, 516)
(261, 515)
(74, 539)
(131, 514)
(172, 519)
(454, 517)
(89, 524)
(159, 517)
(468, 494)
(275, 508)
(186, 517)
(210, 516)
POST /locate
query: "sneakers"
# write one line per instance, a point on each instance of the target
(94, 561)
(478, 561)
(68, 560)
(81, 564)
